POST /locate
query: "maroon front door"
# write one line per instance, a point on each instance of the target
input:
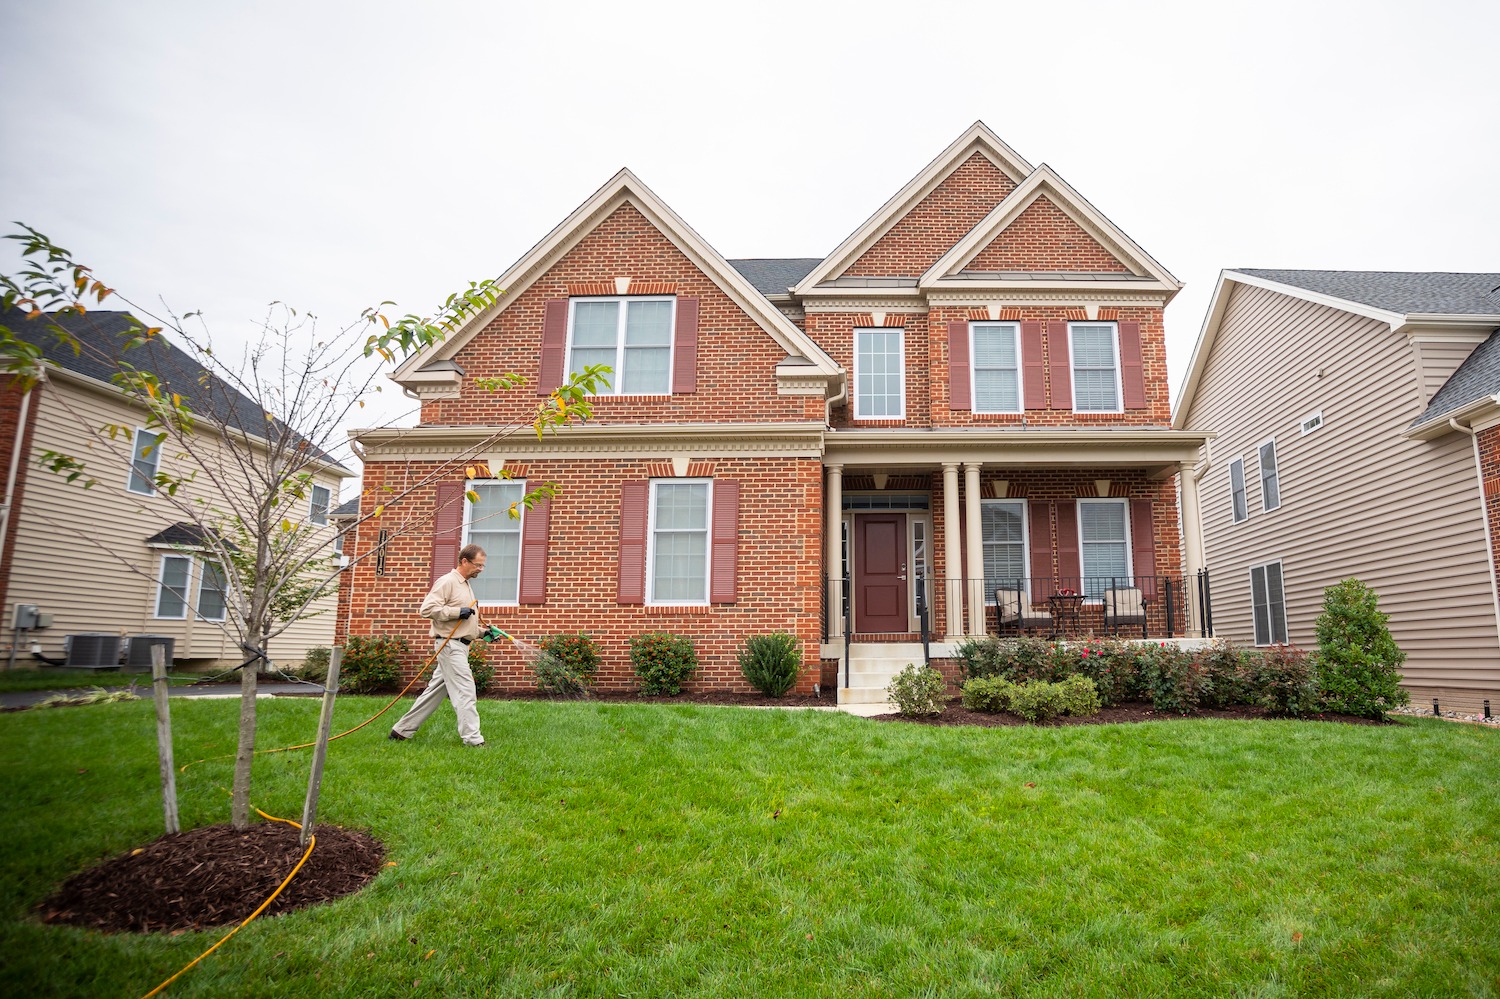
(880, 572)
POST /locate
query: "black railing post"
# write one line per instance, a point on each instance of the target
(848, 629)
(1205, 605)
(922, 618)
(1166, 586)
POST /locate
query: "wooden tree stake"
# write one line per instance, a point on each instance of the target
(164, 736)
(320, 751)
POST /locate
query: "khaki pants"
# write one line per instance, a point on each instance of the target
(451, 678)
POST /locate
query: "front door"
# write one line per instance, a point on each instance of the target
(880, 572)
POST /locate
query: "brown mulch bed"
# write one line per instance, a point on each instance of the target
(213, 876)
(729, 697)
(956, 714)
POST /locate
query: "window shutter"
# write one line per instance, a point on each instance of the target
(685, 348)
(1132, 372)
(1068, 572)
(1039, 513)
(554, 346)
(534, 553)
(447, 528)
(1143, 546)
(726, 542)
(634, 497)
(1062, 372)
(1034, 371)
(958, 366)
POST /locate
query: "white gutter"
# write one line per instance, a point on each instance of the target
(15, 467)
(1484, 518)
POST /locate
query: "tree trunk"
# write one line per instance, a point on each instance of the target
(239, 812)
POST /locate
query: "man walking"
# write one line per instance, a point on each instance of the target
(450, 601)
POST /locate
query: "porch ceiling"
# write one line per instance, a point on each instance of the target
(1159, 452)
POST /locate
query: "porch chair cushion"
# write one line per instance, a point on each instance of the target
(1124, 605)
(1013, 609)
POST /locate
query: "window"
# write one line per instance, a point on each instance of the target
(1096, 367)
(172, 588)
(1237, 501)
(211, 592)
(1103, 548)
(1268, 604)
(879, 374)
(995, 363)
(633, 336)
(494, 524)
(318, 512)
(677, 557)
(1311, 423)
(144, 462)
(1003, 526)
(338, 542)
(1270, 485)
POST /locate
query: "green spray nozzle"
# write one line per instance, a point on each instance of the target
(491, 633)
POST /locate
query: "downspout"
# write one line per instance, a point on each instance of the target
(1484, 517)
(828, 404)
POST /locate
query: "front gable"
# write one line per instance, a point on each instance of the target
(1045, 238)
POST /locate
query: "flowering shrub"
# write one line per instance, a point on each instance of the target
(1284, 680)
(1176, 681)
(918, 690)
(662, 661)
(1110, 663)
(1230, 680)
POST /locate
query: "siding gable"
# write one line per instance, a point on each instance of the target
(1044, 238)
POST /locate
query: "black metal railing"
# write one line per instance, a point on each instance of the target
(1129, 606)
(923, 618)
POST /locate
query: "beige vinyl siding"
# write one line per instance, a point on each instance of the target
(81, 554)
(1356, 498)
(1437, 360)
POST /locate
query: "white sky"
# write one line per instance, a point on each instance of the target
(222, 156)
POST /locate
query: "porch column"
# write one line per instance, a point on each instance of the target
(952, 561)
(976, 549)
(833, 560)
(1192, 523)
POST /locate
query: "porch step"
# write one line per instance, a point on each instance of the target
(872, 666)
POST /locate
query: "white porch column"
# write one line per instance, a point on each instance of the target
(952, 561)
(833, 559)
(1192, 523)
(976, 549)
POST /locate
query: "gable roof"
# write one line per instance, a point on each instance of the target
(774, 275)
(976, 138)
(426, 367)
(1476, 380)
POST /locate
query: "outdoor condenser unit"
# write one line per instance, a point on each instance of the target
(138, 650)
(93, 650)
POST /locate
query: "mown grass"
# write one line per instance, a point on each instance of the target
(21, 679)
(609, 849)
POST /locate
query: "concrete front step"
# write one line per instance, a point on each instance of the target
(872, 666)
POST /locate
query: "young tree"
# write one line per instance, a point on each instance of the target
(247, 435)
(1359, 663)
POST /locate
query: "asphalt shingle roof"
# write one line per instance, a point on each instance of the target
(1402, 292)
(774, 275)
(184, 535)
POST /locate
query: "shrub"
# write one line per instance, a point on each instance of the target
(1037, 700)
(314, 666)
(1283, 680)
(1359, 663)
(1025, 659)
(1229, 678)
(1110, 664)
(567, 665)
(1078, 696)
(1174, 680)
(990, 694)
(662, 661)
(371, 665)
(771, 663)
(917, 690)
(484, 672)
(978, 657)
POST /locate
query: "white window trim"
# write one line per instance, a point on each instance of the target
(202, 567)
(1261, 471)
(617, 376)
(1020, 370)
(1303, 424)
(161, 584)
(156, 453)
(1270, 625)
(1124, 504)
(708, 562)
(901, 363)
(464, 542)
(312, 505)
(989, 598)
(1233, 513)
(1073, 367)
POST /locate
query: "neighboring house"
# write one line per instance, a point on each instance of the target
(1358, 423)
(115, 561)
(969, 395)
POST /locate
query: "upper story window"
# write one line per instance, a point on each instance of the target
(995, 365)
(494, 524)
(880, 374)
(1237, 501)
(1270, 484)
(678, 541)
(318, 507)
(1094, 351)
(631, 335)
(144, 461)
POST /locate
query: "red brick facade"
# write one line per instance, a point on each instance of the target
(1043, 238)
(10, 415)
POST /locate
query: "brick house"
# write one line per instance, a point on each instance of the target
(962, 408)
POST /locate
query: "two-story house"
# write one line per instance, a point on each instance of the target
(963, 408)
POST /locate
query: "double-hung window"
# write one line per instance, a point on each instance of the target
(632, 336)
(494, 524)
(211, 592)
(172, 587)
(1238, 505)
(1003, 525)
(677, 553)
(995, 363)
(1268, 604)
(1103, 545)
(880, 374)
(145, 459)
(1270, 484)
(318, 508)
(1094, 351)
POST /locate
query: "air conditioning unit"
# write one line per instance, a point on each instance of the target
(92, 650)
(138, 650)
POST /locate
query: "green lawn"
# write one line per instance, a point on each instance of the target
(46, 678)
(608, 849)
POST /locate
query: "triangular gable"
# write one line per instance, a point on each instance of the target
(434, 363)
(1045, 183)
(977, 139)
(1043, 237)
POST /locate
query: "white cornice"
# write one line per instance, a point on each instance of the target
(1083, 447)
(595, 439)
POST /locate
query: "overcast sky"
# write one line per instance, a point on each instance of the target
(222, 155)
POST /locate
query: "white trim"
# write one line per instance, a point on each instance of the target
(1270, 624)
(974, 367)
(161, 585)
(155, 468)
(708, 555)
(914, 520)
(989, 596)
(1073, 366)
(198, 614)
(1260, 468)
(1234, 514)
(312, 505)
(900, 332)
(1309, 418)
(1124, 504)
(520, 523)
(622, 320)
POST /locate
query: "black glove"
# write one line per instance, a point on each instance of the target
(466, 613)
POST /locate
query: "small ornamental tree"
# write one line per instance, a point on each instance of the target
(1359, 663)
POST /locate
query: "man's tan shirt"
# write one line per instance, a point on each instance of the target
(450, 595)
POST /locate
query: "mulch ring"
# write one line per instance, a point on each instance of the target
(956, 714)
(213, 876)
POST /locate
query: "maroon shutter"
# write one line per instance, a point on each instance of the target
(1062, 374)
(1033, 370)
(534, 553)
(726, 542)
(1039, 512)
(634, 497)
(1132, 374)
(1068, 571)
(685, 348)
(554, 346)
(447, 528)
(1143, 545)
(958, 366)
